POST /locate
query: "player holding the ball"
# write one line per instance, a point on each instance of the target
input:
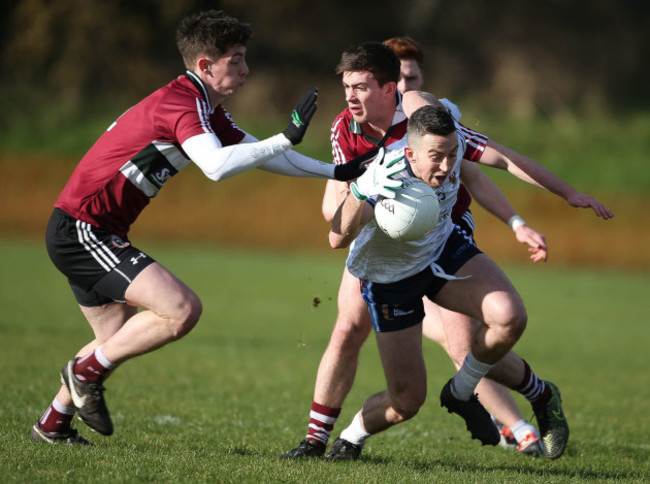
(376, 117)
(446, 267)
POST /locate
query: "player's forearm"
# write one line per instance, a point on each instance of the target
(485, 191)
(525, 169)
(221, 162)
(347, 223)
(335, 193)
(494, 201)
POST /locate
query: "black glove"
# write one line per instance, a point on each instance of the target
(301, 116)
(355, 167)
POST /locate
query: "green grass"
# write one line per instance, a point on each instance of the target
(223, 402)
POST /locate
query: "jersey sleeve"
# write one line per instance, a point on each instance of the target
(192, 117)
(225, 128)
(475, 143)
(342, 149)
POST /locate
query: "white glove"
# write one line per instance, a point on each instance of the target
(377, 179)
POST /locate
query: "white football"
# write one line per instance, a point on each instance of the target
(412, 214)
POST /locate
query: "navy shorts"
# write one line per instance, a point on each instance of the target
(398, 305)
(99, 265)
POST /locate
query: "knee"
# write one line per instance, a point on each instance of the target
(187, 315)
(512, 319)
(517, 323)
(350, 333)
(406, 408)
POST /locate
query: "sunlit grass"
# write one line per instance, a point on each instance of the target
(223, 402)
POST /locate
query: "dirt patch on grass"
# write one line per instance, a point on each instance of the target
(260, 209)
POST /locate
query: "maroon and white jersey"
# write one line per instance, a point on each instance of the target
(349, 141)
(140, 152)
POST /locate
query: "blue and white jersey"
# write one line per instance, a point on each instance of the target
(376, 257)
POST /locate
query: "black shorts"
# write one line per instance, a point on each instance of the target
(398, 305)
(467, 223)
(99, 265)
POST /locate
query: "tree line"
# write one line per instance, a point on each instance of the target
(521, 58)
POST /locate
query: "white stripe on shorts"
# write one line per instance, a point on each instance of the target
(95, 247)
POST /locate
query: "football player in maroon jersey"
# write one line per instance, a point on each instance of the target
(87, 236)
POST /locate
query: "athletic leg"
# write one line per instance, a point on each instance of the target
(455, 330)
(403, 363)
(337, 368)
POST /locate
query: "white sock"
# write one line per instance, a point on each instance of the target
(355, 433)
(521, 429)
(465, 381)
(59, 407)
(99, 354)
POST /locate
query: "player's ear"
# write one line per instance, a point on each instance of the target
(203, 64)
(409, 153)
(391, 88)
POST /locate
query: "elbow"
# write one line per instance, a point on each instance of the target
(216, 176)
(328, 215)
(337, 241)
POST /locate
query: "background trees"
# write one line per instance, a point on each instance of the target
(520, 58)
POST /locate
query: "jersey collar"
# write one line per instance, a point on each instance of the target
(398, 117)
(200, 85)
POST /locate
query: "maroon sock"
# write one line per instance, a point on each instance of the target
(89, 368)
(321, 423)
(57, 418)
(533, 388)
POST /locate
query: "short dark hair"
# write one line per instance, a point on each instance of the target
(209, 33)
(430, 119)
(406, 48)
(374, 57)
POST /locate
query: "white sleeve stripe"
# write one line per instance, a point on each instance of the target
(337, 152)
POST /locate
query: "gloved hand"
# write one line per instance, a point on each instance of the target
(377, 179)
(300, 116)
(355, 167)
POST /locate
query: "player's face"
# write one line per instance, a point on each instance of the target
(367, 100)
(432, 157)
(410, 76)
(227, 74)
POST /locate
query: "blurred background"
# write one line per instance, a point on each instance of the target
(562, 82)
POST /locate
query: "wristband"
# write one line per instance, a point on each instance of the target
(515, 222)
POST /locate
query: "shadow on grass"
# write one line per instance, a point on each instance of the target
(524, 468)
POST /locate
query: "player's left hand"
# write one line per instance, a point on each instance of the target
(301, 116)
(585, 201)
(536, 242)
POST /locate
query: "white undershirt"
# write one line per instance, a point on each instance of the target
(273, 154)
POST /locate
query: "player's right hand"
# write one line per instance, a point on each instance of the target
(355, 167)
(301, 116)
(377, 179)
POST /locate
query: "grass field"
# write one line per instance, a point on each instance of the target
(222, 403)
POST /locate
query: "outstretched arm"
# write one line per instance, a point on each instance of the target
(490, 197)
(532, 172)
(517, 164)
